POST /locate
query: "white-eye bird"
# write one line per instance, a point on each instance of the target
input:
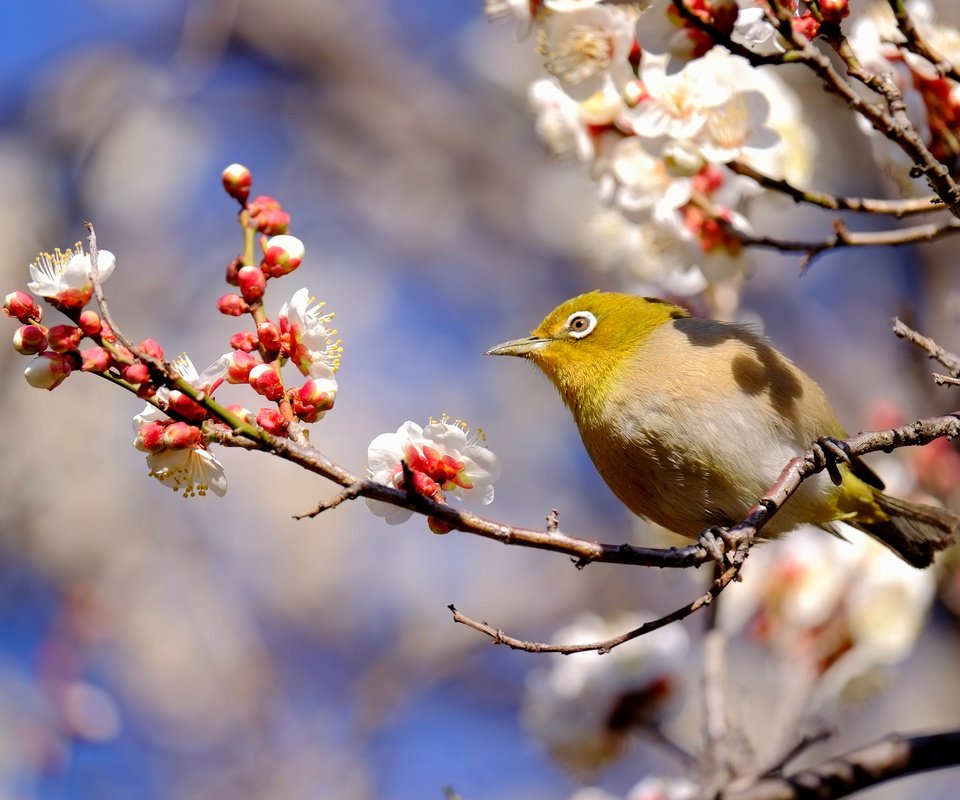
(690, 421)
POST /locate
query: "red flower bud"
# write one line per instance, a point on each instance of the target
(180, 436)
(96, 359)
(30, 340)
(150, 348)
(232, 269)
(185, 407)
(267, 215)
(252, 283)
(244, 340)
(834, 11)
(135, 373)
(150, 436)
(272, 421)
(22, 307)
(265, 380)
(236, 181)
(233, 305)
(282, 255)
(268, 335)
(64, 338)
(239, 366)
(89, 323)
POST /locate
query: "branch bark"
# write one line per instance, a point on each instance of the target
(893, 757)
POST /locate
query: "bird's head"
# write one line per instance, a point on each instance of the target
(582, 343)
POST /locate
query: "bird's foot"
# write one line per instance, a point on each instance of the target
(829, 452)
(717, 542)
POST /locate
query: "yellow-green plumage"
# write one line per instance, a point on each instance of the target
(690, 421)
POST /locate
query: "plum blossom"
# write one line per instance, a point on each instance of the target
(585, 46)
(64, 276)
(308, 339)
(443, 457)
(190, 470)
(583, 706)
(842, 608)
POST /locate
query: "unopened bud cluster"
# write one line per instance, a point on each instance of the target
(300, 332)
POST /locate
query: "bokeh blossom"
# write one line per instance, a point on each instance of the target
(841, 610)
(656, 131)
(583, 707)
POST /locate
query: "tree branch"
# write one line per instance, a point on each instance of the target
(892, 757)
(933, 350)
(863, 205)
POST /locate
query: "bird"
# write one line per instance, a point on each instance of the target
(691, 420)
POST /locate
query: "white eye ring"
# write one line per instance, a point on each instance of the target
(580, 323)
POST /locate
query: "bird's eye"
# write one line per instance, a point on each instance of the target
(580, 323)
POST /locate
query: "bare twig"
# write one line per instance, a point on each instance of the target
(892, 757)
(351, 492)
(98, 289)
(950, 360)
(916, 44)
(945, 380)
(842, 237)
(801, 747)
(864, 205)
(716, 734)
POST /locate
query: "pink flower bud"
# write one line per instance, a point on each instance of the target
(185, 407)
(252, 283)
(30, 340)
(96, 359)
(239, 366)
(806, 25)
(282, 255)
(312, 400)
(135, 373)
(232, 269)
(834, 10)
(64, 338)
(21, 306)
(48, 370)
(269, 218)
(150, 437)
(107, 334)
(244, 340)
(236, 181)
(89, 323)
(272, 421)
(268, 334)
(150, 348)
(180, 436)
(265, 380)
(233, 305)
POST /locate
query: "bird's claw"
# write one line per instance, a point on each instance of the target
(828, 452)
(717, 544)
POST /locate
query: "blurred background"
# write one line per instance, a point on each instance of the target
(156, 647)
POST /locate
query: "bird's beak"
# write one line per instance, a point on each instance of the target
(518, 347)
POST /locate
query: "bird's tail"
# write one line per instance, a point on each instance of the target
(914, 531)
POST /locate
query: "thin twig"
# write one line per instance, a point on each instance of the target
(716, 735)
(351, 492)
(945, 380)
(863, 205)
(950, 360)
(845, 238)
(98, 289)
(916, 44)
(806, 742)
